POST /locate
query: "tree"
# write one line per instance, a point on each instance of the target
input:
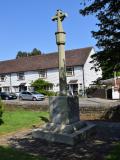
(21, 54)
(34, 52)
(108, 35)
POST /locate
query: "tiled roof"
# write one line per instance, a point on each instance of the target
(74, 57)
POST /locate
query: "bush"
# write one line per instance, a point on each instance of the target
(1, 112)
(43, 86)
(47, 93)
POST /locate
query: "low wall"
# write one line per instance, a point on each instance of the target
(100, 113)
(92, 113)
(111, 113)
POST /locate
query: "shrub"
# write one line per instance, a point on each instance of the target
(47, 93)
(43, 86)
(1, 111)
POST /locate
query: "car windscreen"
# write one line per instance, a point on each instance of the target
(35, 93)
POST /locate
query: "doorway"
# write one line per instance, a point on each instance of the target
(22, 88)
(73, 89)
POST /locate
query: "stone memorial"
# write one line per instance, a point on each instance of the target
(65, 125)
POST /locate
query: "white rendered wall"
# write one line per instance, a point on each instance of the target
(90, 75)
(115, 94)
(52, 76)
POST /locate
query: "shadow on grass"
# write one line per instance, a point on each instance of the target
(115, 154)
(8, 153)
(96, 147)
(93, 148)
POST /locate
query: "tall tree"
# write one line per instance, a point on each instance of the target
(21, 54)
(34, 52)
(108, 34)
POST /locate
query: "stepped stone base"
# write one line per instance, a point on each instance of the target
(67, 134)
(65, 126)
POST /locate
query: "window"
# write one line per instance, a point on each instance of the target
(69, 71)
(49, 88)
(42, 73)
(16, 88)
(2, 77)
(6, 89)
(21, 76)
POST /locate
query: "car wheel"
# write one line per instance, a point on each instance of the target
(34, 99)
(20, 98)
(6, 98)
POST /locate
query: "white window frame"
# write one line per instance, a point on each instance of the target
(2, 78)
(16, 89)
(42, 73)
(69, 71)
(6, 89)
(20, 78)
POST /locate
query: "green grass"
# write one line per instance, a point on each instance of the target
(7, 153)
(115, 154)
(20, 119)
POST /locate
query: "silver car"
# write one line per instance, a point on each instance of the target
(31, 96)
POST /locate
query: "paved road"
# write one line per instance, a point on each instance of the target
(98, 102)
(82, 102)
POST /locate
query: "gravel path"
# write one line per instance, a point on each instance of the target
(94, 148)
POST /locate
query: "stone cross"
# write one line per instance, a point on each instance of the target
(60, 41)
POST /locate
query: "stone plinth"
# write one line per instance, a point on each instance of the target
(64, 110)
(65, 125)
(67, 134)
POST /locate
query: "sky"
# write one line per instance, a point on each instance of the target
(27, 24)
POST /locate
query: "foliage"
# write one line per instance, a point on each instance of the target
(34, 52)
(8, 153)
(115, 154)
(108, 34)
(18, 119)
(1, 111)
(118, 74)
(43, 86)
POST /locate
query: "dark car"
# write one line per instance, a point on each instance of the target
(7, 96)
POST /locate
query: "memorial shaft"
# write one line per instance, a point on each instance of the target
(60, 41)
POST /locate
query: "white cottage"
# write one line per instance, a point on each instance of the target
(17, 75)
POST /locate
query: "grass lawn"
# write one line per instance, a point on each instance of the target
(115, 154)
(18, 119)
(7, 153)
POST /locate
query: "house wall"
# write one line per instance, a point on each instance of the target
(90, 75)
(53, 77)
(30, 76)
(115, 94)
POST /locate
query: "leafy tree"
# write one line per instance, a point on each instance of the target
(21, 54)
(43, 86)
(35, 52)
(108, 34)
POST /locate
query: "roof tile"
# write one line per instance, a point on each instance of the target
(73, 58)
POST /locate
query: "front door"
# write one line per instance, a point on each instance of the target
(22, 88)
(73, 89)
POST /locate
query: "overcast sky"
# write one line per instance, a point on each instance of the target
(26, 24)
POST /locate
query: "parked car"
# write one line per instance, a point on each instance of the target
(31, 96)
(7, 96)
